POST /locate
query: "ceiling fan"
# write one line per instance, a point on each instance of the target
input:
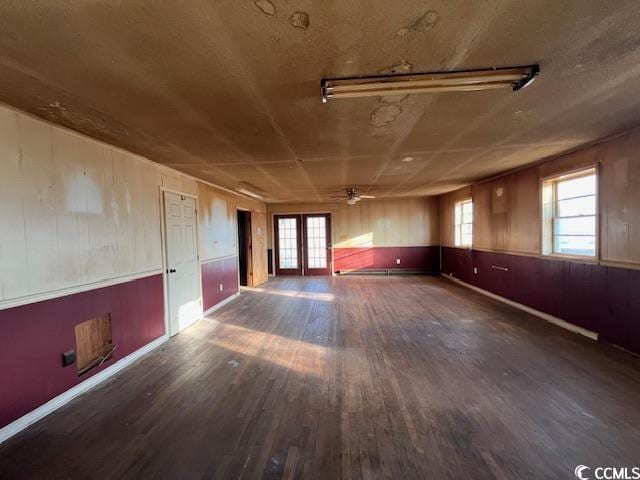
(352, 196)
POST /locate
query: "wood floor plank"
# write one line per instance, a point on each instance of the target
(350, 378)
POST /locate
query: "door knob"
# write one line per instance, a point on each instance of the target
(172, 270)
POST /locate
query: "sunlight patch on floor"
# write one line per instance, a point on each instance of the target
(323, 297)
(297, 355)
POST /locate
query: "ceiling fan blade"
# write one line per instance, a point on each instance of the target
(367, 196)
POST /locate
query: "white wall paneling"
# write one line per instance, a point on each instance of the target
(74, 211)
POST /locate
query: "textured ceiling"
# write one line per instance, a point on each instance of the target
(228, 90)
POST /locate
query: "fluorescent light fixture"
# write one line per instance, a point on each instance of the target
(249, 193)
(514, 78)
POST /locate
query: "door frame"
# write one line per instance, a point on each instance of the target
(250, 257)
(163, 246)
(300, 214)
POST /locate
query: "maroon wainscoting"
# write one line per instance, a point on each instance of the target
(603, 299)
(214, 273)
(361, 258)
(33, 337)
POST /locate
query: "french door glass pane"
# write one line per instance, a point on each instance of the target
(317, 242)
(287, 243)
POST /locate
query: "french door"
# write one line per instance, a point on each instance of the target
(288, 244)
(303, 244)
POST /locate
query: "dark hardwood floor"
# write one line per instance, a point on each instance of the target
(358, 377)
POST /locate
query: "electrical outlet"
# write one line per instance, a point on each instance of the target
(220, 287)
(397, 261)
(68, 358)
(475, 270)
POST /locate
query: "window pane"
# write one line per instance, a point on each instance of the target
(573, 245)
(287, 243)
(576, 187)
(575, 226)
(569, 208)
(577, 206)
(317, 242)
(463, 223)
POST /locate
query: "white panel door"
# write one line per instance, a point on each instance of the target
(185, 302)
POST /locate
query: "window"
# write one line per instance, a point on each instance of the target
(569, 205)
(464, 223)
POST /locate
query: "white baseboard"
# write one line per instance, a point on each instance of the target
(220, 304)
(65, 397)
(545, 316)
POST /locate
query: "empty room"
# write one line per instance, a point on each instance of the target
(287, 239)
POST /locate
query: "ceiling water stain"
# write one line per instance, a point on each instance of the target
(397, 98)
(299, 20)
(96, 122)
(383, 115)
(423, 23)
(275, 40)
(402, 67)
(266, 7)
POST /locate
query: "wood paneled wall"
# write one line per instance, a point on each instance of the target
(375, 223)
(510, 222)
(73, 211)
(217, 211)
(77, 212)
(507, 213)
(620, 200)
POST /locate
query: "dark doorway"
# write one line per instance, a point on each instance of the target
(244, 248)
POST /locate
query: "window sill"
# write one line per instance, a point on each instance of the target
(580, 258)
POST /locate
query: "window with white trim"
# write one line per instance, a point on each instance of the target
(569, 214)
(464, 223)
